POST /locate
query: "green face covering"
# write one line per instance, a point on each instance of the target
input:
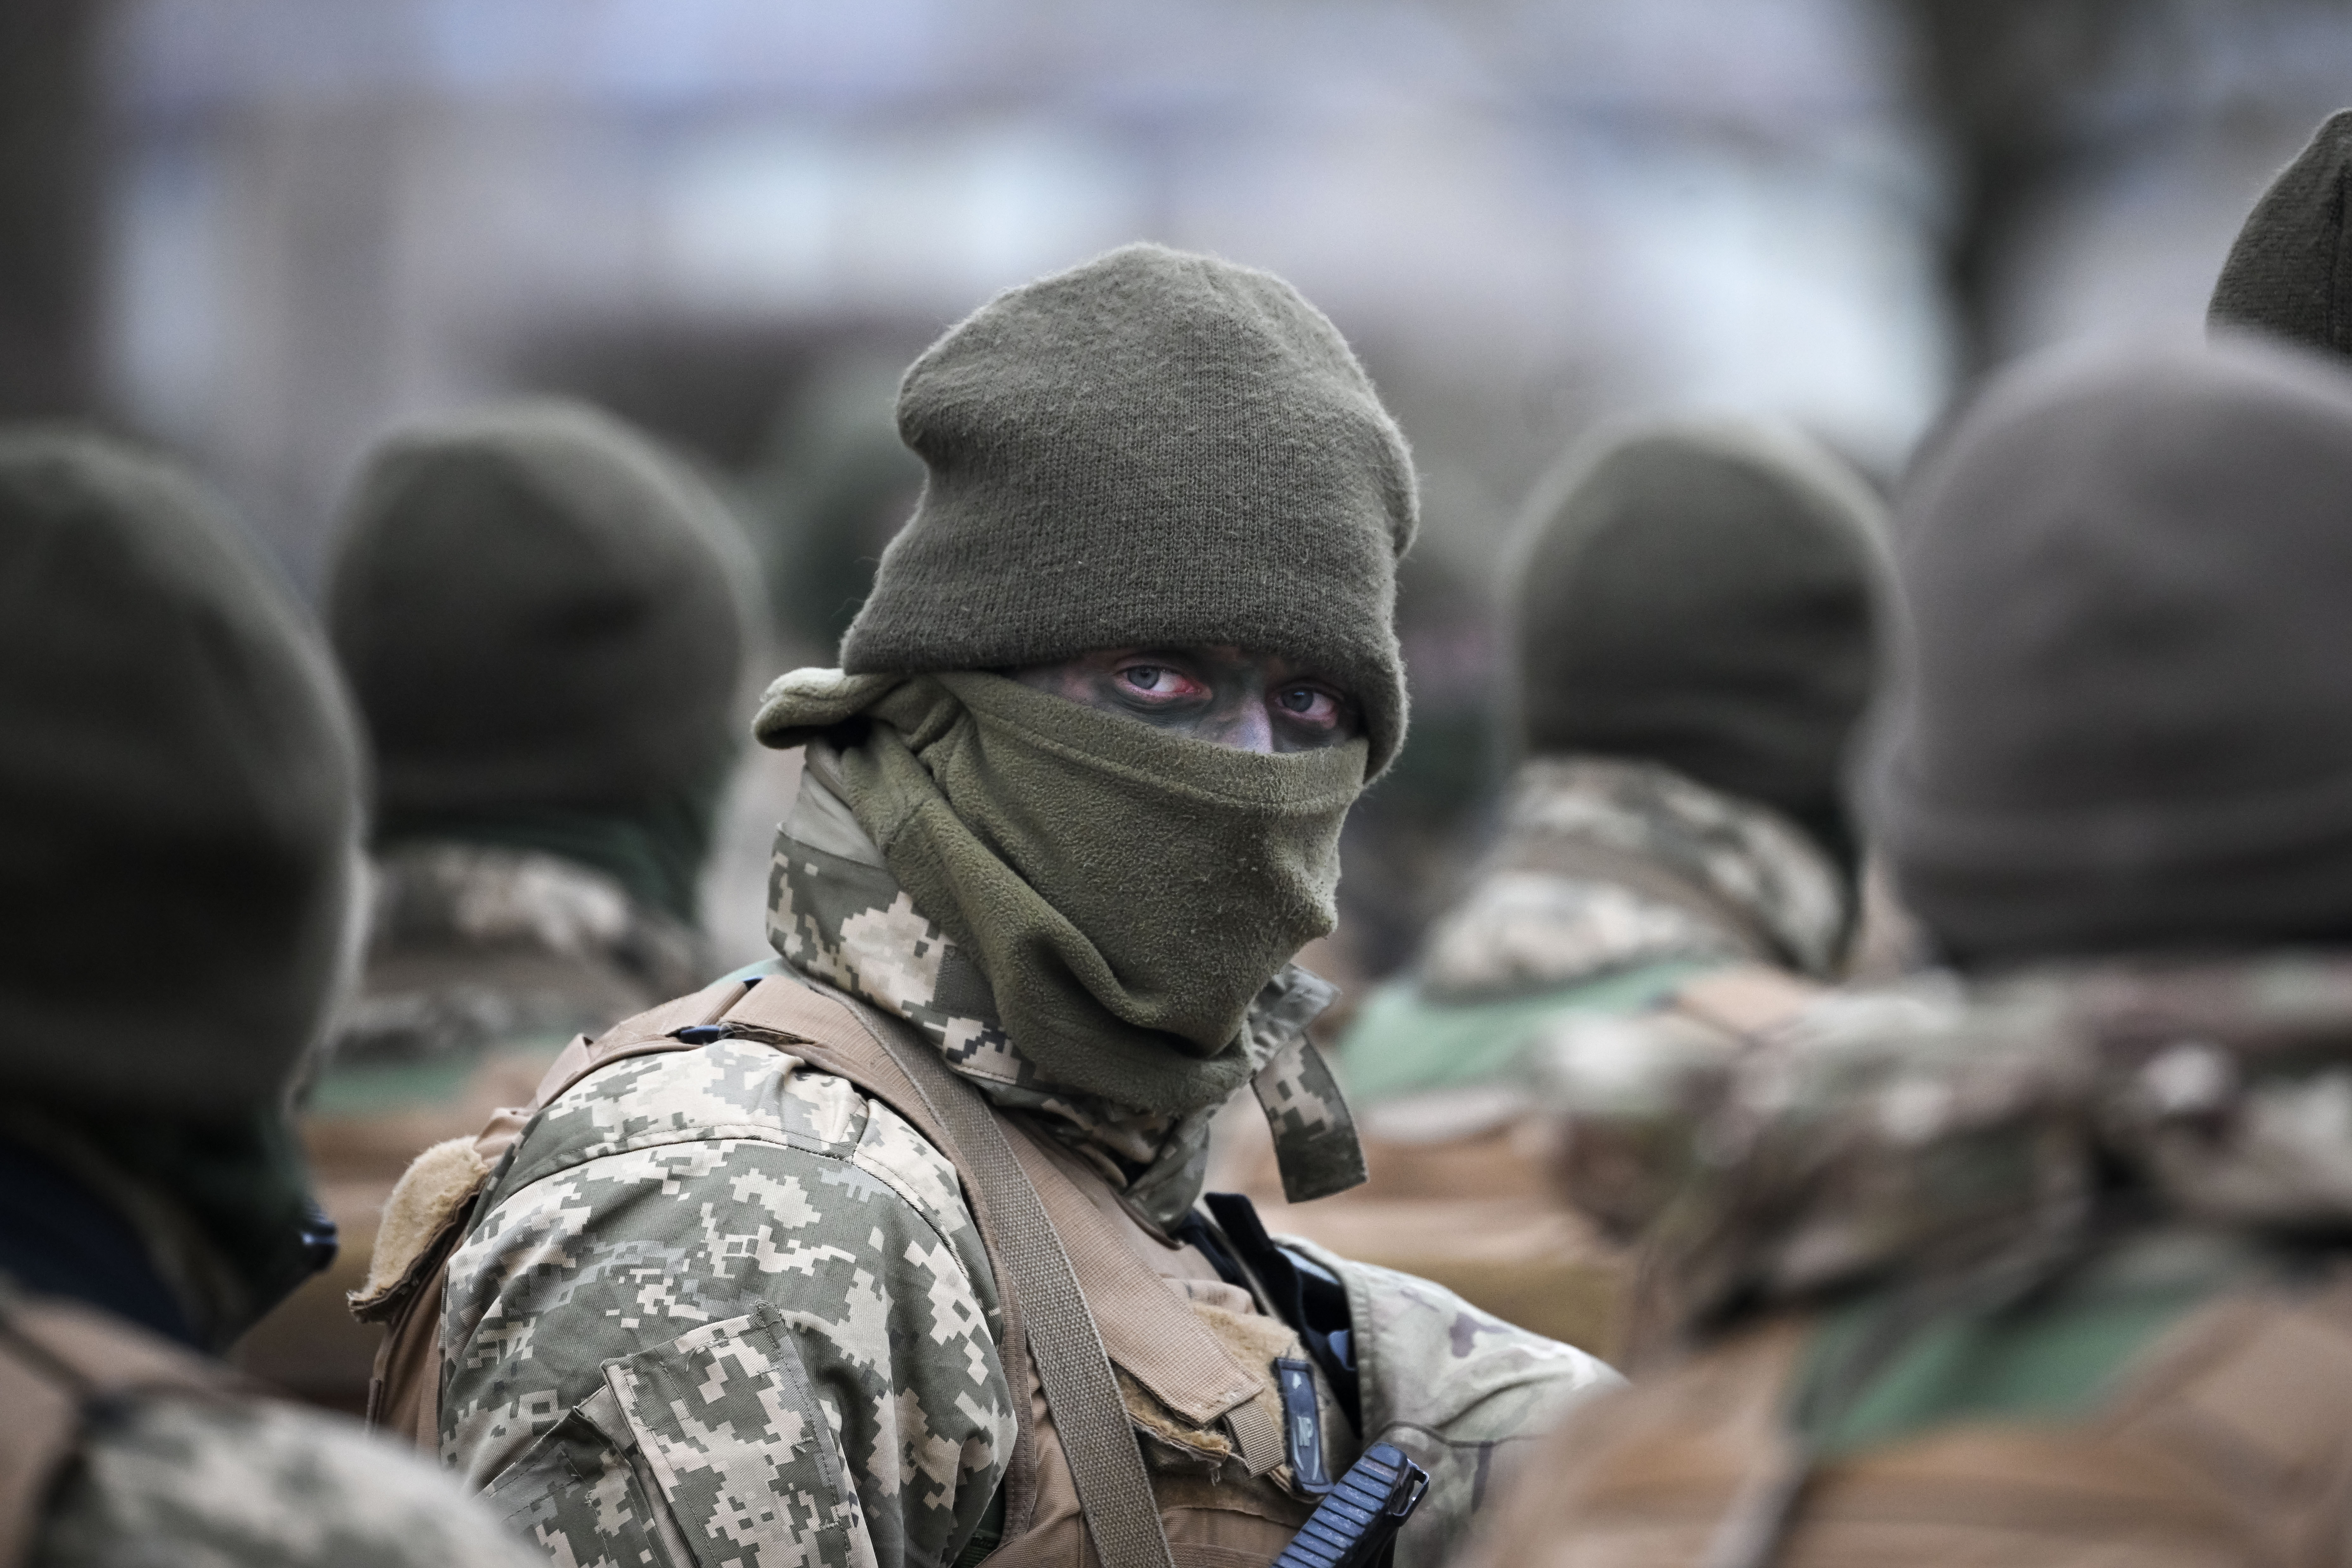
(1127, 893)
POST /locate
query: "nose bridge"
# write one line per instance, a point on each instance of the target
(1251, 726)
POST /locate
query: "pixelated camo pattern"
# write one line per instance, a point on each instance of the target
(770, 1328)
(1526, 926)
(221, 1484)
(1952, 1132)
(851, 925)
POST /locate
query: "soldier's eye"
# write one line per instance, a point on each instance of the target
(1159, 683)
(1309, 703)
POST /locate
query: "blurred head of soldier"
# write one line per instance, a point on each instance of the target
(534, 608)
(179, 821)
(1706, 596)
(180, 799)
(2123, 730)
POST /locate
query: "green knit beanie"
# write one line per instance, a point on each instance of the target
(534, 606)
(1152, 449)
(1710, 596)
(2290, 272)
(178, 794)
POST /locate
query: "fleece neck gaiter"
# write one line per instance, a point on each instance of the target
(1127, 894)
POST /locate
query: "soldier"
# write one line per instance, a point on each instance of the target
(180, 813)
(2048, 1268)
(890, 1253)
(1697, 615)
(534, 608)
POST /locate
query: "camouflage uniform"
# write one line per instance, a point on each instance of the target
(715, 1304)
(2032, 1269)
(222, 1482)
(1618, 889)
(483, 962)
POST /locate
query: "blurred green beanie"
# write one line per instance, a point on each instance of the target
(2290, 271)
(178, 794)
(1154, 448)
(535, 607)
(2127, 722)
(1711, 595)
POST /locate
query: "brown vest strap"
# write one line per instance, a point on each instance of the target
(1151, 1333)
(55, 1358)
(1035, 1273)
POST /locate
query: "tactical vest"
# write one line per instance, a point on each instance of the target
(1197, 1385)
(60, 1363)
(2227, 1443)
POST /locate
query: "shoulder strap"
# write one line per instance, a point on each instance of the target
(1044, 1306)
(56, 1360)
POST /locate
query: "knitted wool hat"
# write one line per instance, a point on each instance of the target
(1155, 448)
(1711, 595)
(2290, 271)
(534, 606)
(178, 794)
(2130, 720)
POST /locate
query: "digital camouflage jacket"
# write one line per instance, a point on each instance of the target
(483, 962)
(704, 1281)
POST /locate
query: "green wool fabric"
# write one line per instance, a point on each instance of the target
(1153, 449)
(2125, 724)
(1710, 596)
(537, 608)
(2290, 270)
(1126, 893)
(178, 794)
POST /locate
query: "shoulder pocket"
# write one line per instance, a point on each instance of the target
(709, 1450)
(579, 1493)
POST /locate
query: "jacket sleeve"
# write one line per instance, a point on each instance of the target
(771, 1339)
(206, 1481)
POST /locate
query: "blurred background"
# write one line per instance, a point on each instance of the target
(262, 231)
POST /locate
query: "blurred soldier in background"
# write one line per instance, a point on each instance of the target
(889, 1252)
(2287, 274)
(2049, 1269)
(539, 612)
(1698, 611)
(179, 800)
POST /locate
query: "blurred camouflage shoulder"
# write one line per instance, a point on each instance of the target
(200, 1483)
(710, 1286)
(1942, 1129)
(472, 945)
(1605, 864)
(1612, 883)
